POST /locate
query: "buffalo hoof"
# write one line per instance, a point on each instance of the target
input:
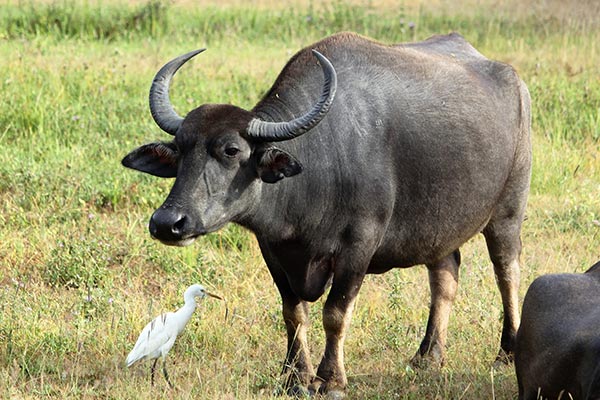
(298, 392)
(503, 358)
(330, 395)
(432, 359)
(322, 390)
(335, 395)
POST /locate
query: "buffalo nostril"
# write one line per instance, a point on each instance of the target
(179, 225)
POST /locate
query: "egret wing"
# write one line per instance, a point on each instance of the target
(154, 336)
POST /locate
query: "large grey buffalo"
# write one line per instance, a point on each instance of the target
(395, 158)
(557, 353)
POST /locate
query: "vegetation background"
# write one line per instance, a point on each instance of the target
(80, 276)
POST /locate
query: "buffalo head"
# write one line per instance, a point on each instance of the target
(220, 156)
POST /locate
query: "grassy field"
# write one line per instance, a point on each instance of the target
(80, 276)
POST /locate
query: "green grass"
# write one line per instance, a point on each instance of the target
(80, 277)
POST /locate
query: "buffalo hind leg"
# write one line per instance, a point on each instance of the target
(443, 282)
(504, 247)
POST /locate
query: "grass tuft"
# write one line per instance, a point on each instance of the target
(85, 20)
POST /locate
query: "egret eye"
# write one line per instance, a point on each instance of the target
(231, 151)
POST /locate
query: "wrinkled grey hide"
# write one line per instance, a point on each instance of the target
(558, 343)
(425, 145)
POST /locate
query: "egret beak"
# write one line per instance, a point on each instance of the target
(220, 298)
(213, 295)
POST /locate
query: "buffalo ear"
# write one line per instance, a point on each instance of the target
(274, 164)
(159, 159)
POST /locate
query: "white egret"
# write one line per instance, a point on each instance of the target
(159, 335)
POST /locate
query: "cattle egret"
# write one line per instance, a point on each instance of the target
(159, 335)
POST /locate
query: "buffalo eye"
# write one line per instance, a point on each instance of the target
(231, 151)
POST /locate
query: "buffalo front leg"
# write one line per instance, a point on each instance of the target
(443, 282)
(297, 368)
(337, 312)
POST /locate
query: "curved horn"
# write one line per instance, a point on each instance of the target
(160, 104)
(278, 131)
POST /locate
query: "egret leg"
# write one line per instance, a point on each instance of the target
(165, 373)
(152, 369)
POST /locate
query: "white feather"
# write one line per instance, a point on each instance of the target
(158, 337)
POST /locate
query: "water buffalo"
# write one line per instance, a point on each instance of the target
(557, 350)
(395, 158)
